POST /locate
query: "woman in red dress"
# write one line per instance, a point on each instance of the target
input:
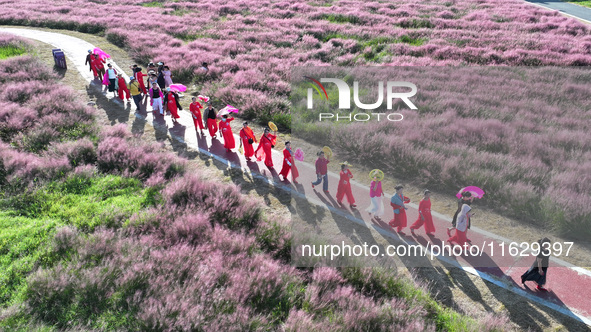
(227, 133)
(195, 109)
(172, 104)
(344, 188)
(424, 217)
(267, 143)
(288, 163)
(247, 139)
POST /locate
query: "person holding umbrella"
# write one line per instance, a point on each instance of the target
(462, 226)
(247, 138)
(98, 66)
(171, 100)
(539, 269)
(466, 195)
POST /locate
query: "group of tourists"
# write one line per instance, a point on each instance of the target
(157, 89)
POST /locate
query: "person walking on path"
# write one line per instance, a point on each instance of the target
(212, 124)
(160, 78)
(195, 109)
(171, 100)
(110, 78)
(227, 133)
(89, 60)
(465, 199)
(139, 77)
(377, 204)
(321, 172)
(344, 188)
(134, 88)
(122, 89)
(156, 97)
(264, 150)
(397, 202)
(247, 139)
(461, 227)
(98, 66)
(288, 163)
(539, 269)
(424, 217)
(167, 76)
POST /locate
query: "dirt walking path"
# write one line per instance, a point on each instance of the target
(317, 213)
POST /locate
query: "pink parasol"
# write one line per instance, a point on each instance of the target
(228, 109)
(475, 191)
(178, 87)
(299, 154)
(102, 54)
(203, 98)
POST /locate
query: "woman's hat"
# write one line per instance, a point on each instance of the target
(345, 163)
(131, 78)
(427, 191)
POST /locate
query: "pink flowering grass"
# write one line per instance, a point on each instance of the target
(116, 236)
(521, 135)
(250, 45)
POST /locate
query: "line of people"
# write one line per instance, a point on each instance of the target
(461, 220)
(160, 78)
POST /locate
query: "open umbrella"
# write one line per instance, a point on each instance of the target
(299, 154)
(203, 98)
(376, 173)
(178, 87)
(227, 110)
(102, 54)
(475, 191)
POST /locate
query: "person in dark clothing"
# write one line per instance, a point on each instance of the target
(539, 269)
(212, 124)
(89, 60)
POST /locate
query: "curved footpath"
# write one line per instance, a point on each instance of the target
(569, 9)
(570, 292)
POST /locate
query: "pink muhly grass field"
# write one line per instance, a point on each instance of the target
(250, 45)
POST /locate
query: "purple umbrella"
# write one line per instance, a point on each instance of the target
(475, 191)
